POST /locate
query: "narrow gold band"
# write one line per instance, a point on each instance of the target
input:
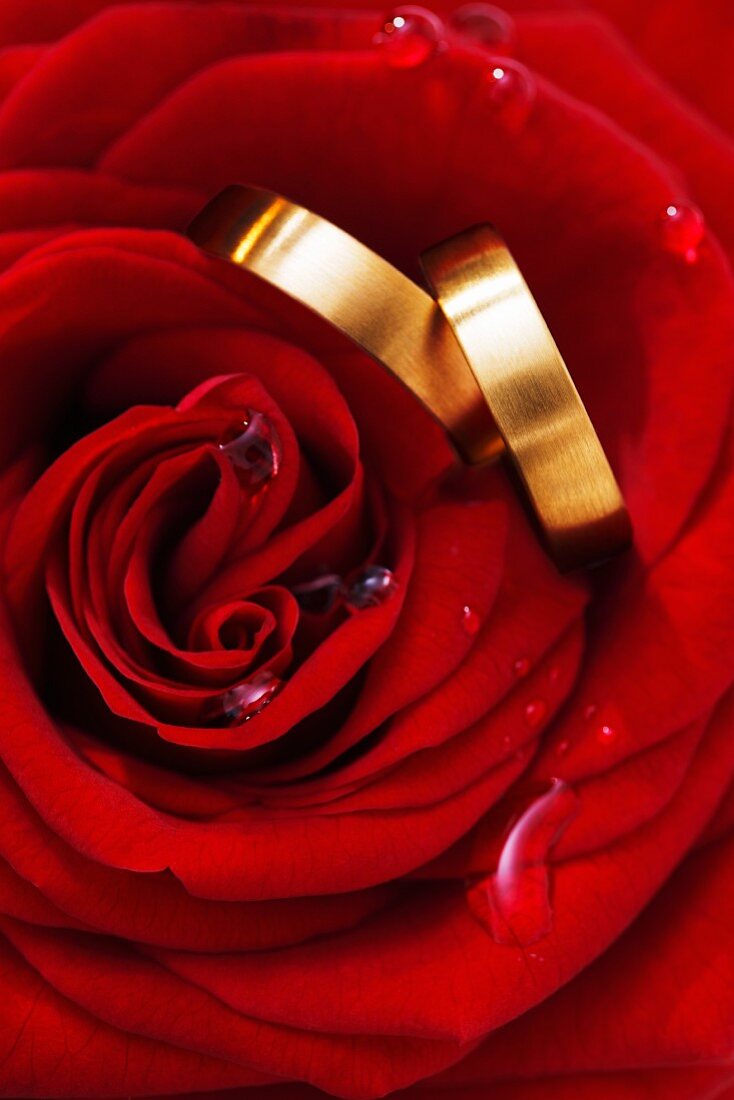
(534, 403)
(481, 358)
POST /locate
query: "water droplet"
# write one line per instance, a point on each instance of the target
(590, 711)
(486, 24)
(470, 621)
(535, 712)
(606, 734)
(368, 587)
(506, 741)
(683, 228)
(319, 595)
(521, 667)
(409, 37)
(554, 675)
(562, 747)
(243, 701)
(514, 903)
(512, 92)
(253, 448)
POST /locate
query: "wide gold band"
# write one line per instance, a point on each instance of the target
(534, 403)
(481, 358)
(365, 297)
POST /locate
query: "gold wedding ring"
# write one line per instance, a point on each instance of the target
(361, 294)
(535, 405)
(480, 357)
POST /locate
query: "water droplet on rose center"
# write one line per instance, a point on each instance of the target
(368, 587)
(253, 448)
(243, 701)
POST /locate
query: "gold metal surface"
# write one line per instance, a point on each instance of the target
(534, 402)
(481, 358)
(361, 294)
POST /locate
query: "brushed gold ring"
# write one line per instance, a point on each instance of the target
(535, 405)
(361, 294)
(479, 355)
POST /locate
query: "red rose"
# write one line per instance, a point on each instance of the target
(276, 677)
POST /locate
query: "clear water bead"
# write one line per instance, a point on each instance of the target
(514, 903)
(470, 621)
(606, 734)
(485, 24)
(511, 90)
(535, 713)
(683, 229)
(243, 701)
(521, 667)
(368, 587)
(409, 37)
(253, 448)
